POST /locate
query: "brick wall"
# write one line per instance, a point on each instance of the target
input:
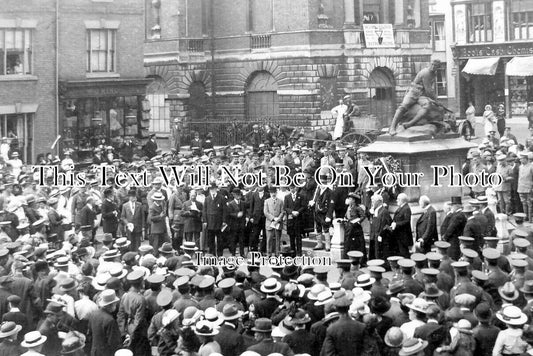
(73, 36)
(41, 89)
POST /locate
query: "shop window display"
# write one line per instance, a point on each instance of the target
(90, 122)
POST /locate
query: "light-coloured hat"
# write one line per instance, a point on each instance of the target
(419, 304)
(33, 339)
(108, 297)
(512, 315)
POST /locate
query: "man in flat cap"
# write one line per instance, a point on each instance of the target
(131, 316)
(337, 342)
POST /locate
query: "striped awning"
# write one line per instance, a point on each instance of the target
(481, 66)
(520, 67)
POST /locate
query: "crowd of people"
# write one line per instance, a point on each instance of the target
(109, 270)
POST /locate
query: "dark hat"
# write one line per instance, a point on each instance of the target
(15, 299)
(301, 317)
(395, 287)
(432, 291)
(344, 263)
(483, 312)
(508, 291)
(71, 344)
(456, 201)
(290, 270)
(167, 248)
(53, 307)
(262, 325)
(230, 312)
(108, 237)
(379, 305)
(527, 288)
(342, 302)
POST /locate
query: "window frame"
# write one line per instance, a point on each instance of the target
(25, 143)
(110, 53)
(487, 18)
(26, 51)
(525, 23)
(443, 82)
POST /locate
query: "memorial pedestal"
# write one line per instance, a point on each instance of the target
(337, 241)
(417, 154)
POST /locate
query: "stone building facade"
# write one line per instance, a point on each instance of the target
(254, 60)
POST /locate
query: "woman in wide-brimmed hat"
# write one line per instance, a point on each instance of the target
(509, 341)
(205, 331)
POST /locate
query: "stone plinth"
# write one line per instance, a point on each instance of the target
(337, 241)
(417, 154)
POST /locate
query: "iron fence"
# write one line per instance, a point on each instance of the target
(231, 131)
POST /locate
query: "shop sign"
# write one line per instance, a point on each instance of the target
(497, 50)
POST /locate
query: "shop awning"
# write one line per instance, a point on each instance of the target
(520, 67)
(481, 66)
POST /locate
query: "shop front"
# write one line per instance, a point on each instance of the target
(96, 113)
(483, 82)
(496, 74)
(520, 73)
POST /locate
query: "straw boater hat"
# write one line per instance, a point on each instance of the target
(512, 315)
(364, 280)
(270, 286)
(9, 328)
(33, 339)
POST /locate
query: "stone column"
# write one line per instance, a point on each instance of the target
(349, 13)
(337, 241)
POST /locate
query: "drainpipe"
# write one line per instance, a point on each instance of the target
(212, 40)
(57, 73)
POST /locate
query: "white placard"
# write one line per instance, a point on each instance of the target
(379, 35)
(460, 24)
(499, 21)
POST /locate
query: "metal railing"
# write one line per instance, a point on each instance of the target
(231, 131)
(260, 41)
(195, 45)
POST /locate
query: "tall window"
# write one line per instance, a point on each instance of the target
(19, 131)
(439, 37)
(440, 83)
(480, 22)
(156, 93)
(522, 25)
(101, 55)
(15, 51)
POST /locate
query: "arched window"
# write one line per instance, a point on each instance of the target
(382, 103)
(156, 93)
(197, 101)
(262, 96)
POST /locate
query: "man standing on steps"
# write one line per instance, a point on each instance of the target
(323, 213)
(422, 85)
